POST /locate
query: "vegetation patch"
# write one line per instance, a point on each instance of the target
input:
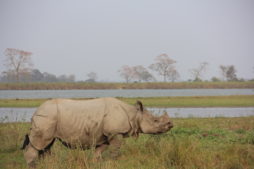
(192, 143)
(187, 101)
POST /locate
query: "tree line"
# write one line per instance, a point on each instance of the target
(19, 68)
(163, 66)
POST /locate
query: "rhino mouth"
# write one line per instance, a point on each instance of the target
(170, 126)
(165, 129)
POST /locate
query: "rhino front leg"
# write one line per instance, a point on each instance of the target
(114, 145)
(99, 150)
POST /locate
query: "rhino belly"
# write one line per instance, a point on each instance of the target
(85, 138)
(80, 131)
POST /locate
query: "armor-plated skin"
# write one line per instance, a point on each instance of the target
(89, 123)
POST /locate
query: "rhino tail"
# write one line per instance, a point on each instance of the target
(26, 142)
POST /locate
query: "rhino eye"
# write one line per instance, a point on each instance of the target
(156, 120)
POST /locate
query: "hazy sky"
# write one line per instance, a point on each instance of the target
(80, 36)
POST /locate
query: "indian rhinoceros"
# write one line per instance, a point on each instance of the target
(90, 123)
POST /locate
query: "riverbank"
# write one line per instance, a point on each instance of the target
(187, 101)
(143, 85)
(192, 143)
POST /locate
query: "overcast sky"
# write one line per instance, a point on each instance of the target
(80, 36)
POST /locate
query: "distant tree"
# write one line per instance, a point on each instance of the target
(223, 70)
(141, 74)
(8, 76)
(92, 76)
(215, 79)
(66, 78)
(173, 75)
(252, 78)
(17, 62)
(198, 72)
(47, 77)
(71, 78)
(36, 75)
(231, 73)
(228, 72)
(127, 73)
(62, 78)
(164, 66)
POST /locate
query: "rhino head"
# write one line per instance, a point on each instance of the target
(150, 124)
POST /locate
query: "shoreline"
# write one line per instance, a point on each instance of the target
(120, 85)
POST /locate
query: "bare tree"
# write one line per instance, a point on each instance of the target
(198, 72)
(141, 74)
(164, 66)
(17, 62)
(228, 72)
(231, 73)
(92, 77)
(223, 70)
(127, 73)
(173, 75)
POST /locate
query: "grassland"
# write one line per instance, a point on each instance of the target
(212, 143)
(188, 101)
(147, 85)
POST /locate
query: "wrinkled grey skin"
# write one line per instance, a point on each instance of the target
(95, 123)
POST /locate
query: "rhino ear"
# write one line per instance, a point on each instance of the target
(139, 106)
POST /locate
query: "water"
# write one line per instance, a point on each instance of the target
(206, 112)
(25, 114)
(16, 114)
(32, 94)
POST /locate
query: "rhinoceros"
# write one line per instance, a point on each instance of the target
(89, 123)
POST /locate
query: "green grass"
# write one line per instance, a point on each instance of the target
(21, 102)
(188, 101)
(143, 85)
(211, 143)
